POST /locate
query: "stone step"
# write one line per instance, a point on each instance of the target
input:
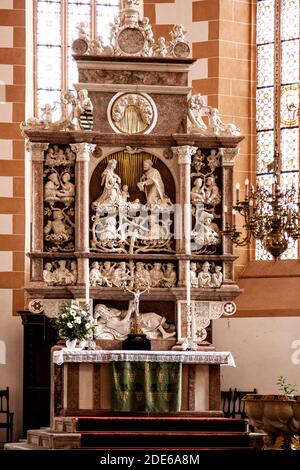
(53, 440)
(150, 423)
(163, 439)
(22, 446)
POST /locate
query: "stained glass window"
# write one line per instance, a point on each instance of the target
(56, 23)
(287, 82)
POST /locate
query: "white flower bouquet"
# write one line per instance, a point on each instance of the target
(75, 322)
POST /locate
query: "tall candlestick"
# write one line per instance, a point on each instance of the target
(188, 282)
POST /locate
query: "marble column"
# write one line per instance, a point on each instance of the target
(37, 151)
(83, 152)
(184, 154)
(228, 159)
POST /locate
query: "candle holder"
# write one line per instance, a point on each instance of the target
(189, 343)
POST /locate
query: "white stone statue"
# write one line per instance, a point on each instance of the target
(205, 231)
(63, 276)
(48, 276)
(82, 34)
(152, 184)
(204, 277)
(116, 324)
(96, 46)
(197, 109)
(125, 194)
(170, 277)
(193, 275)
(178, 33)
(106, 229)
(95, 275)
(57, 230)
(112, 194)
(107, 273)
(142, 277)
(198, 161)
(217, 277)
(160, 49)
(57, 273)
(198, 192)
(212, 192)
(218, 127)
(121, 275)
(51, 189)
(67, 192)
(47, 114)
(157, 275)
(146, 27)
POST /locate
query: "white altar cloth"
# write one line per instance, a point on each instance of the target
(186, 357)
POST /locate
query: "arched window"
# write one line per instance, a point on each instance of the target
(278, 30)
(55, 29)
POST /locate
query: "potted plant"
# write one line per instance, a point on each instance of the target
(75, 323)
(277, 415)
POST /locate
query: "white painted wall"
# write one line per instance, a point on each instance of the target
(11, 373)
(263, 348)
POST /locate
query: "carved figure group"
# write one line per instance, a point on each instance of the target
(60, 273)
(76, 113)
(152, 184)
(112, 194)
(197, 110)
(139, 42)
(205, 231)
(59, 229)
(59, 189)
(113, 323)
(119, 222)
(140, 275)
(207, 276)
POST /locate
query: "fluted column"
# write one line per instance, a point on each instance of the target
(83, 153)
(228, 159)
(184, 154)
(37, 151)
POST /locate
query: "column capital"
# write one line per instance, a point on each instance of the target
(228, 155)
(184, 154)
(83, 151)
(37, 150)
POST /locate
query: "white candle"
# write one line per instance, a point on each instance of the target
(87, 283)
(246, 186)
(237, 187)
(188, 282)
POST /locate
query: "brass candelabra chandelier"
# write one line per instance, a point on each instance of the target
(269, 215)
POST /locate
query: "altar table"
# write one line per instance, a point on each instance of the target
(81, 380)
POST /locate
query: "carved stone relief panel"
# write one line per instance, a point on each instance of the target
(115, 320)
(60, 272)
(138, 275)
(59, 199)
(206, 275)
(206, 198)
(132, 196)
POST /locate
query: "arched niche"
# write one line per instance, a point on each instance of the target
(130, 170)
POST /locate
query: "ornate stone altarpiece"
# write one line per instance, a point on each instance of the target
(129, 190)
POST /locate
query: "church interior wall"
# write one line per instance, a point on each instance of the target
(263, 348)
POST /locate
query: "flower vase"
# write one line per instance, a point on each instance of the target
(71, 344)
